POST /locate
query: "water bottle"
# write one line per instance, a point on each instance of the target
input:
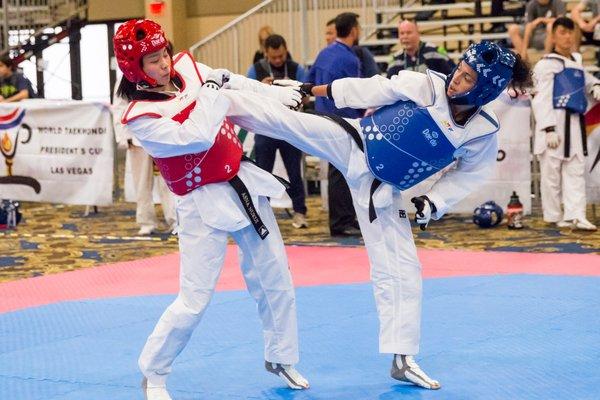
(514, 212)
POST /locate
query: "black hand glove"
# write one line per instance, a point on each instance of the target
(306, 89)
(425, 208)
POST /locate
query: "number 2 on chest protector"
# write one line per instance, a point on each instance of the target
(227, 168)
(379, 167)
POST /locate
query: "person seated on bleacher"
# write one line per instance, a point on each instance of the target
(498, 10)
(590, 27)
(416, 54)
(536, 33)
(14, 86)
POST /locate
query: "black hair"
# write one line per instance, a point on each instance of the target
(128, 90)
(522, 78)
(330, 22)
(6, 60)
(565, 22)
(344, 23)
(275, 41)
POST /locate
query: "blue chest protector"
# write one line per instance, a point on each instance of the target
(404, 144)
(569, 90)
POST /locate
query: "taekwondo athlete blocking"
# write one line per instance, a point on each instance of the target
(177, 113)
(411, 107)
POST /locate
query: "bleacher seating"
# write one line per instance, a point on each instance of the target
(453, 26)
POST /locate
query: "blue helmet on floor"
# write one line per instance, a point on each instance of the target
(9, 214)
(488, 214)
(494, 67)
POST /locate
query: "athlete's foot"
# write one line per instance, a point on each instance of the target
(405, 369)
(288, 374)
(155, 392)
(584, 225)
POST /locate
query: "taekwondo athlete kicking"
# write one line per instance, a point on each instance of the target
(424, 122)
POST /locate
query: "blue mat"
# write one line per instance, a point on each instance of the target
(500, 337)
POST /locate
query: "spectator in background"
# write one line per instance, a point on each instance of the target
(588, 26)
(536, 33)
(142, 171)
(561, 85)
(416, 54)
(337, 61)
(276, 65)
(368, 65)
(330, 32)
(263, 34)
(14, 86)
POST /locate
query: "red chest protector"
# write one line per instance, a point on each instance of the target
(187, 172)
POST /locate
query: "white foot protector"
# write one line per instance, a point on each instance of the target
(584, 225)
(155, 392)
(288, 374)
(405, 369)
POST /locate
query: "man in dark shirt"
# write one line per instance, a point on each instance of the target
(14, 86)
(277, 65)
(337, 61)
(368, 65)
(417, 55)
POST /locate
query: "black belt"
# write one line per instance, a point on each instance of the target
(567, 152)
(244, 196)
(246, 199)
(357, 139)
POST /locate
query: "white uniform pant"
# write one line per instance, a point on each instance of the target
(395, 268)
(562, 181)
(142, 171)
(265, 269)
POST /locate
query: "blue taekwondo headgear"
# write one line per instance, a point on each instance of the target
(494, 67)
(488, 214)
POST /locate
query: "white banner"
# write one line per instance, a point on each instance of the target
(513, 172)
(57, 151)
(592, 177)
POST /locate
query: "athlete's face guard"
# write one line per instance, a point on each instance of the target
(494, 67)
(133, 40)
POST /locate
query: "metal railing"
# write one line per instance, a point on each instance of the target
(300, 22)
(22, 19)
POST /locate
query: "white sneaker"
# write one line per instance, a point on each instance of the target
(564, 224)
(288, 374)
(405, 369)
(155, 392)
(584, 225)
(146, 230)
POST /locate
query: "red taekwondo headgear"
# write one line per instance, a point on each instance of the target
(133, 40)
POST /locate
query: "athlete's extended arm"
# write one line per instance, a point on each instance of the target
(377, 91)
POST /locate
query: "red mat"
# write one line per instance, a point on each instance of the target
(310, 266)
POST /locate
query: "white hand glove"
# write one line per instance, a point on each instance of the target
(424, 208)
(552, 140)
(305, 89)
(288, 83)
(289, 96)
(596, 92)
(216, 79)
